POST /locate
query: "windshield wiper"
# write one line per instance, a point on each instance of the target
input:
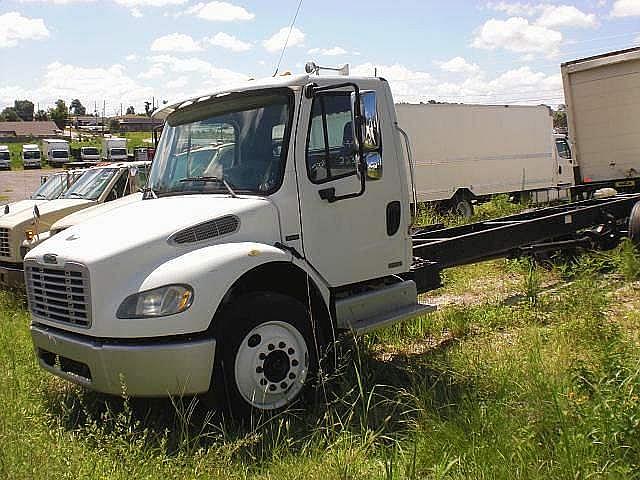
(40, 195)
(211, 179)
(76, 194)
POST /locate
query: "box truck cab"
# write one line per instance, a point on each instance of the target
(5, 158)
(56, 151)
(31, 157)
(89, 154)
(114, 149)
(24, 230)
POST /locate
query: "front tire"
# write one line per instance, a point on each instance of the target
(634, 225)
(266, 354)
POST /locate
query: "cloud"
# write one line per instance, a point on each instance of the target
(335, 51)
(559, 16)
(625, 8)
(148, 3)
(154, 71)
(179, 82)
(276, 42)
(459, 65)
(175, 42)
(131, 57)
(220, 12)
(14, 28)
(136, 13)
(57, 2)
(196, 65)
(517, 86)
(517, 35)
(229, 42)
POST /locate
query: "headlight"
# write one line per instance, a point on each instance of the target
(159, 302)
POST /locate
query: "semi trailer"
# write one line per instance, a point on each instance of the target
(602, 95)
(240, 265)
(468, 153)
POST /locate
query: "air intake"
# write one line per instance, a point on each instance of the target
(206, 230)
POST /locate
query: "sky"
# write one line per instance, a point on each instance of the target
(115, 53)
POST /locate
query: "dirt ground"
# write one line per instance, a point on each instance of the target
(20, 184)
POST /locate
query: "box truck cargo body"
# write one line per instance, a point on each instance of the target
(475, 151)
(114, 149)
(603, 114)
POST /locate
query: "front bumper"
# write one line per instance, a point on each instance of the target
(11, 275)
(150, 368)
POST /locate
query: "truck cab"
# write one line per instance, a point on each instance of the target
(114, 149)
(89, 154)
(5, 158)
(56, 151)
(275, 214)
(31, 156)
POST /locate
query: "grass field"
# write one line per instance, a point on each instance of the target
(522, 373)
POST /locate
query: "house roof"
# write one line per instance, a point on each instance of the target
(28, 129)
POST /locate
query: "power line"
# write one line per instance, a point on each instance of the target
(286, 42)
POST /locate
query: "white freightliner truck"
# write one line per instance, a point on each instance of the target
(5, 157)
(602, 94)
(56, 151)
(276, 214)
(31, 156)
(89, 154)
(467, 153)
(23, 230)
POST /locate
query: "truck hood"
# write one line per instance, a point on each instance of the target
(17, 207)
(94, 211)
(134, 238)
(50, 211)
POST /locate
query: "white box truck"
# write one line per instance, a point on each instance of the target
(5, 157)
(31, 156)
(602, 94)
(233, 274)
(56, 151)
(466, 153)
(114, 149)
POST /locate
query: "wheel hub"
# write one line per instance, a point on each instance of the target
(271, 365)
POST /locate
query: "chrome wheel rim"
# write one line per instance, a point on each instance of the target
(271, 365)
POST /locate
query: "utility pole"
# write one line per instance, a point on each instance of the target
(104, 106)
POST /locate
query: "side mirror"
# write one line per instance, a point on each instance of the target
(374, 165)
(370, 126)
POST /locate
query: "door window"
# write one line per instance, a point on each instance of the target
(331, 149)
(563, 148)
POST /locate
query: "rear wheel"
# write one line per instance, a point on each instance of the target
(461, 205)
(266, 354)
(634, 225)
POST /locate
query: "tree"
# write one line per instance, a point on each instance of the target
(41, 116)
(59, 114)
(77, 108)
(560, 117)
(114, 125)
(147, 108)
(131, 110)
(9, 114)
(24, 109)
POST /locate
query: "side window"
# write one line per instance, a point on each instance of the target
(330, 143)
(563, 148)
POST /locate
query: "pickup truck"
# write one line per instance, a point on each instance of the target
(277, 213)
(27, 228)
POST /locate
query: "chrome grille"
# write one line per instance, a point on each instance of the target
(206, 230)
(59, 294)
(4, 243)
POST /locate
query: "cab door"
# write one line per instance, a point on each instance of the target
(348, 235)
(564, 161)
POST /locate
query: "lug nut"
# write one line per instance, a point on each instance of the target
(272, 387)
(291, 351)
(292, 376)
(262, 356)
(259, 369)
(282, 345)
(254, 340)
(294, 362)
(271, 346)
(283, 385)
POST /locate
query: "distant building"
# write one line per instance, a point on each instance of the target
(9, 130)
(85, 120)
(136, 123)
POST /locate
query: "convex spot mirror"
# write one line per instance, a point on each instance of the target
(373, 161)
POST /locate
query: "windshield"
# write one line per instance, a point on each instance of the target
(91, 185)
(4, 155)
(90, 151)
(54, 186)
(118, 151)
(30, 155)
(60, 154)
(239, 140)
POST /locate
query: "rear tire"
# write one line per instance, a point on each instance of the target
(266, 354)
(462, 206)
(634, 225)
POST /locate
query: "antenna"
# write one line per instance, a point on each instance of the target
(286, 42)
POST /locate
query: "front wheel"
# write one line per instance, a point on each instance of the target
(266, 354)
(462, 206)
(634, 225)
